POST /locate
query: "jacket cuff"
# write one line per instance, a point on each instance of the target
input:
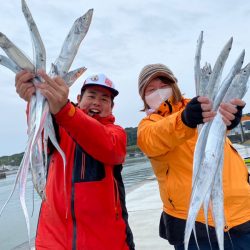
(68, 111)
(182, 126)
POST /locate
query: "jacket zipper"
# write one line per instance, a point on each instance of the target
(171, 202)
(169, 199)
(73, 210)
(116, 194)
(83, 166)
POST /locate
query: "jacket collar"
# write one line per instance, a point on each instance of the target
(105, 120)
(168, 107)
(110, 119)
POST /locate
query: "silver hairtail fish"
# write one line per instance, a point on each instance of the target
(217, 70)
(8, 63)
(197, 70)
(206, 72)
(207, 187)
(72, 43)
(15, 54)
(40, 124)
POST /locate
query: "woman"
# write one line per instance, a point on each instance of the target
(167, 135)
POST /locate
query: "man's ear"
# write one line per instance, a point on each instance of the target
(79, 97)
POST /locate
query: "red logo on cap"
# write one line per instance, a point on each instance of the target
(108, 82)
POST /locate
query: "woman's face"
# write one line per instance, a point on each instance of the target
(157, 92)
(154, 85)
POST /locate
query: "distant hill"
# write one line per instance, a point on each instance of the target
(14, 160)
(11, 160)
(131, 136)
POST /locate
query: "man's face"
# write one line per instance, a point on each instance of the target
(96, 100)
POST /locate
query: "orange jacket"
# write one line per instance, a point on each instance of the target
(169, 144)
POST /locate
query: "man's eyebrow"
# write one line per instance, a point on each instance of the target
(105, 95)
(92, 91)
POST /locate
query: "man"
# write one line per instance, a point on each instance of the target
(92, 215)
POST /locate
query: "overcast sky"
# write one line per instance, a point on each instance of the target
(123, 37)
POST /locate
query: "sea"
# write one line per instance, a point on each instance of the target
(13, 231)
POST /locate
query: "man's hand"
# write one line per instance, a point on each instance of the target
(232, 112)
(55, 90)
(197, 111)
(24, 86)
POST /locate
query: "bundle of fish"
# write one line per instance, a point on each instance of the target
(207, 187)
(39, 117)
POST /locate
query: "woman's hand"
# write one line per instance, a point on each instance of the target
(197, 111)
(232, 112)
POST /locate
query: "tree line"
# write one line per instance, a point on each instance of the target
(15, 159)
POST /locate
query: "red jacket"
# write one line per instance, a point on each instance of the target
(91, 214)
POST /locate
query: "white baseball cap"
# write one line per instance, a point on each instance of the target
(100, 80)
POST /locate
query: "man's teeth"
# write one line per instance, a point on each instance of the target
(94, 111)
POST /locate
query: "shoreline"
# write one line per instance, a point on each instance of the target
(129, 197)
(8, 170)
(144, 210)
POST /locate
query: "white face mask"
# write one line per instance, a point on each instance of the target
(155, 99)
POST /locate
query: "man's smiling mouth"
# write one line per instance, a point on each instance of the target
(94, 112)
